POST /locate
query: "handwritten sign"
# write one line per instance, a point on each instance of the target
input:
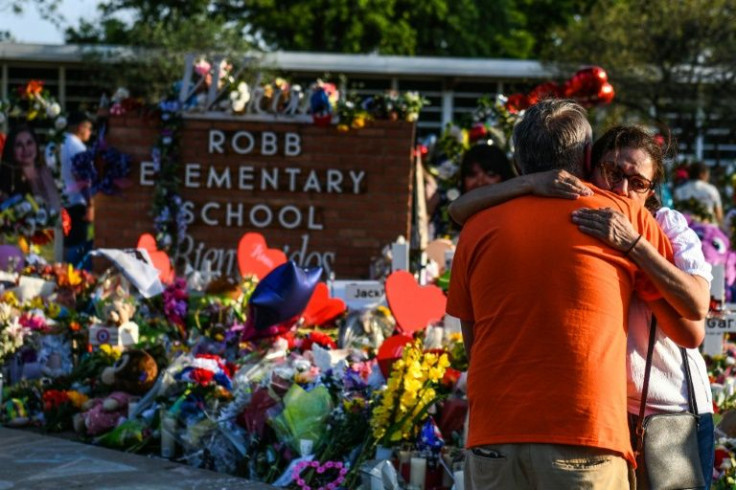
(359, 294)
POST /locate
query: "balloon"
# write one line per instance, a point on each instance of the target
(390, 351)
(606, 93)
(544, 91)
(517, 103)
(282, 295)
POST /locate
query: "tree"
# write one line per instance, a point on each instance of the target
(166, 29)
(671, 62)
(467, 28)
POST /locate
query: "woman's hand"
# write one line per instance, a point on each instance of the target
(558, 183)
(609, 226)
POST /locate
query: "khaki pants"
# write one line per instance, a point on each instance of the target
(545, 466)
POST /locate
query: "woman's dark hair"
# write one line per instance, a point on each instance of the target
(490, 158)
(11, 175)
(634, 137)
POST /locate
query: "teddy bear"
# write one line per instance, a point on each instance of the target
(133, 374)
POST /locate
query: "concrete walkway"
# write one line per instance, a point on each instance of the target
(30, 461)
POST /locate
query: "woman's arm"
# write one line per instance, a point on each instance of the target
(553, 183)
(688, 294)
(684, 332)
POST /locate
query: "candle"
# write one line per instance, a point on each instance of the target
(459, 480)
(305, 447)
(168, 436)
(418, 471)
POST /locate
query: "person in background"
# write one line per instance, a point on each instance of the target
(80, 208)
(481, 165)
(22, 172)
(702, 191)
(628, 161)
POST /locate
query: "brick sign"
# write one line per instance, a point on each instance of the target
(324, 197)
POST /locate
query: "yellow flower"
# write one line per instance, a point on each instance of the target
(110, 351)
(343, 128)
(54, 310)
(75, 278)
(10, 298)
(36, 303)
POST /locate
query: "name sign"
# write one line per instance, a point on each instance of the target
(721, 324)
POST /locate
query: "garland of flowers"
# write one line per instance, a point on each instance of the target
(33, 102)
(167, 203)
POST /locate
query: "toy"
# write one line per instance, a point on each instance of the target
(102, 414)
(717, 250)
(135, 372)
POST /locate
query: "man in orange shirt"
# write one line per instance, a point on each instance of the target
(543, 310)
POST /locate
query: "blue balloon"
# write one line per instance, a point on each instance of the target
(282, 294)
(319, 102)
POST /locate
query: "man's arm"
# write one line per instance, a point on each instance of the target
(467, 329)
(684, 332)
(553, 183)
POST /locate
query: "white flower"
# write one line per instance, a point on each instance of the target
(120, 94)
(447, 169)
(60, 123)
(53, 110)
(453, 194)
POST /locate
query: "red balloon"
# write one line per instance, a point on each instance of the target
(517, 103)
(390, 351)
(544, 91)
(606, 93)
(586, 82)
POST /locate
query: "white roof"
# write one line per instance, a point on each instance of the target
(373, 64)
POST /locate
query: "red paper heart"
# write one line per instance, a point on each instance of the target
(255, 258)
(414, 306)
(321, 308)
(159, 258)
(390, 351)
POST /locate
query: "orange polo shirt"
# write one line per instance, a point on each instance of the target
(549, 304)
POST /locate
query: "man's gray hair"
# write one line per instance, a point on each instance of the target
(553, 134)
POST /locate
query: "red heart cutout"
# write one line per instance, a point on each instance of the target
(255, 258)
(160, 259)
(321, 308)
(390, 351)
(414, 306)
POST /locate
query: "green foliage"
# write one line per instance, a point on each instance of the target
(167, 29)
(670, 62)
(467, 28)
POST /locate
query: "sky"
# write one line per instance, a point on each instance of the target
(30, 28)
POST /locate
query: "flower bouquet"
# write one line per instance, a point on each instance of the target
(411, 390)
(28, 218)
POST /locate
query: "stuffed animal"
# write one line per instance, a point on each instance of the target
(135, 372)
(102, 414)
(717, 250)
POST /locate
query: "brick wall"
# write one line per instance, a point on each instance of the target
(355, 227)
